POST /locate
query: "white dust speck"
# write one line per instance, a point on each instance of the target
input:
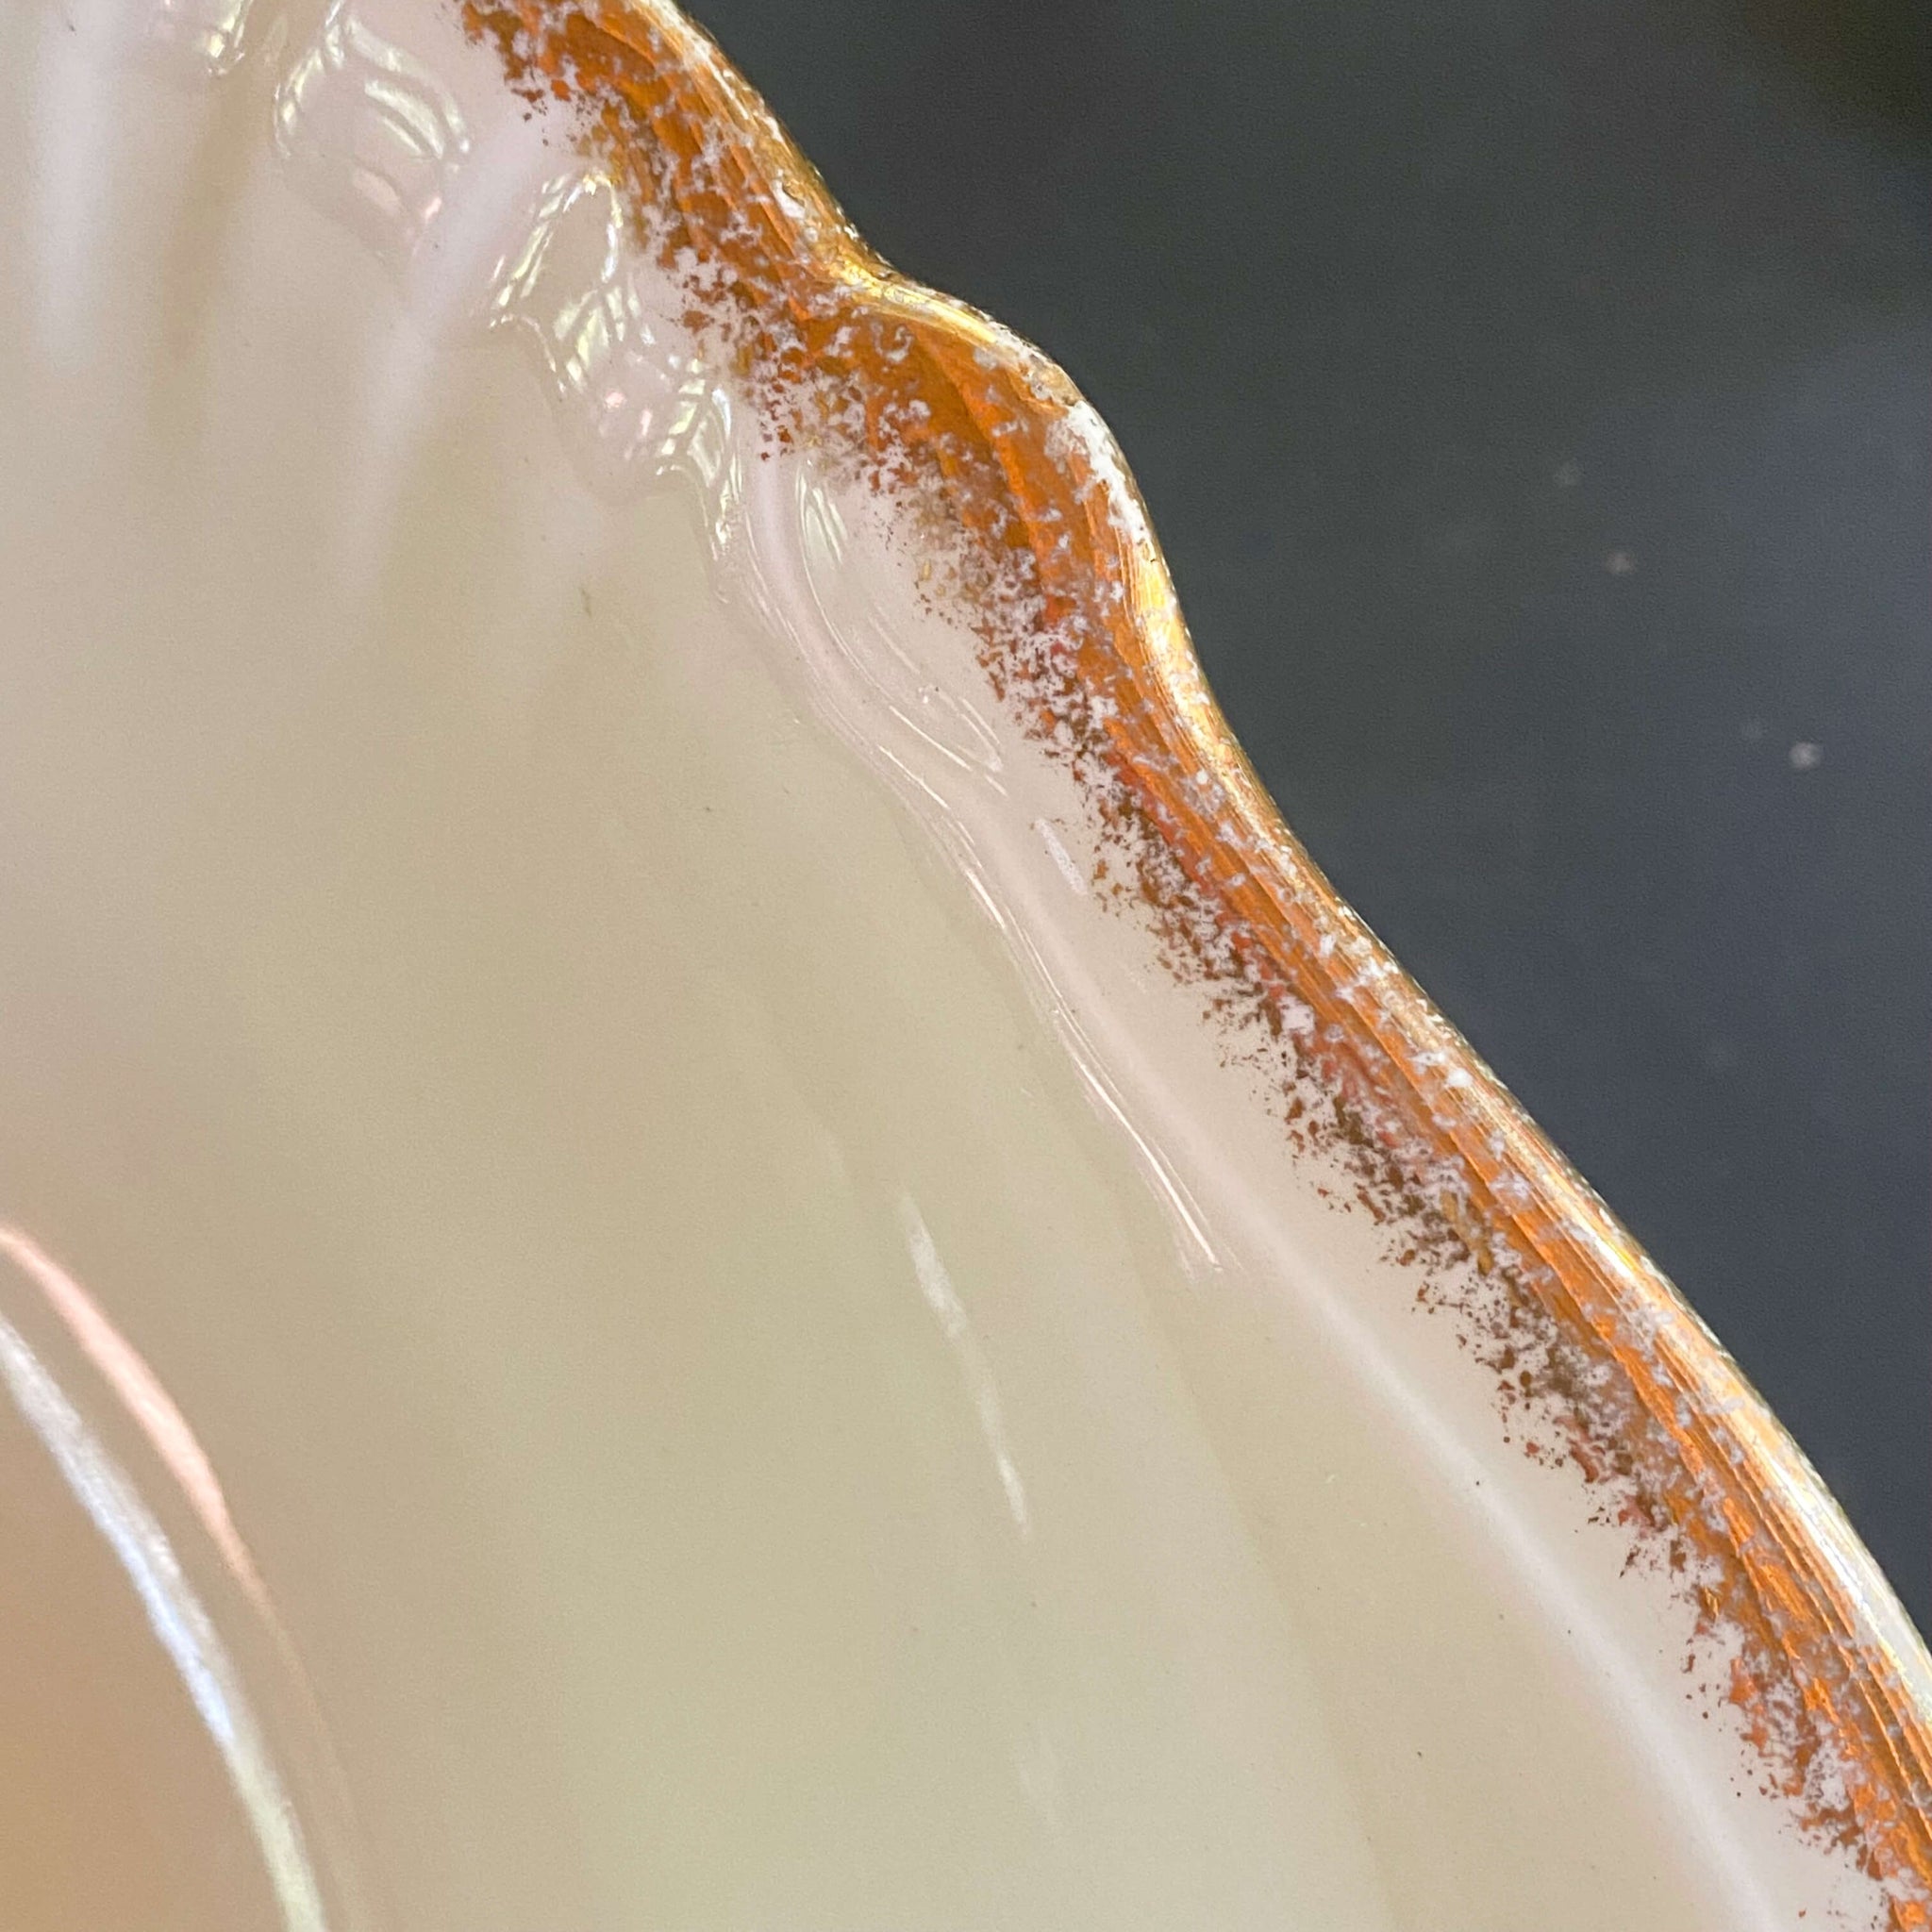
(1568, 476)
(1620, 563)
(1806, 757)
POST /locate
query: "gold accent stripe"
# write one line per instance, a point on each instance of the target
(1598, 1362)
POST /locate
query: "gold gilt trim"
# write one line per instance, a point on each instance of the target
(1597, 1361)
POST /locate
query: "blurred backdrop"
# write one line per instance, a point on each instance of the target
(1535, 400)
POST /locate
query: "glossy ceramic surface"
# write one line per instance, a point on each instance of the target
(704, 1225)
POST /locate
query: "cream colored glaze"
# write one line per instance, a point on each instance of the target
(770, 1374)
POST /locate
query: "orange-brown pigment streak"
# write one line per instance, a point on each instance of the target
(1050, 561)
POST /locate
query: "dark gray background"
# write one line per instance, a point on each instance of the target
(1535, 400)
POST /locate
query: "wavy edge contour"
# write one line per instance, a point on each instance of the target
(1600, 1363)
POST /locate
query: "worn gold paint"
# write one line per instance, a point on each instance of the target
(1049, 553)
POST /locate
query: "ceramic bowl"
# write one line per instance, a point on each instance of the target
(703, 1226)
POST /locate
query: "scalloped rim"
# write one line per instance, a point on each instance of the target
(1599, 1362)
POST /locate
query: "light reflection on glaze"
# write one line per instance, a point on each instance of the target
(144, 1399)
(936, 1289)
(175, 1611)
(370, 132)
(625, 380)
(400, 395)
(201, 39)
